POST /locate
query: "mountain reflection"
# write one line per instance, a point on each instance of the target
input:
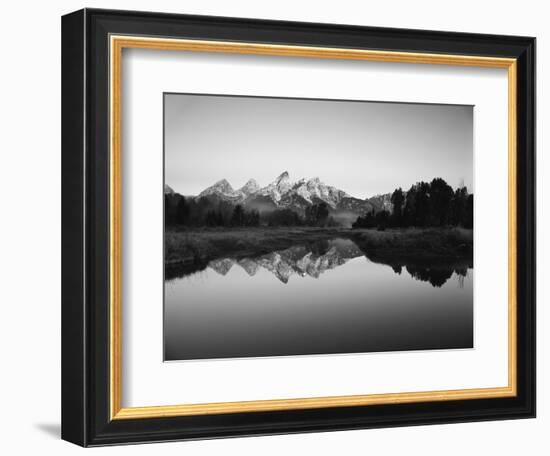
(311, 260)
(315, 258)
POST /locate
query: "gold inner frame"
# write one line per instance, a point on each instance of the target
(117, 44)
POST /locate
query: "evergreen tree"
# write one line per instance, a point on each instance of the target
(283, 217)
(441, 195)
(182, 211)
(317, 214)
(469, 218)
(252, 218)
(458, 206)
(424, 204)
(409, 212)
(397, 200)
(366, 221)
(168, 211)
(211, 218)
(382, 219)
(238, 217)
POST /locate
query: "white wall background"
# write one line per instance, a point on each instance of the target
(30, 241)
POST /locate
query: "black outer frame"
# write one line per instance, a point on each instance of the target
(85, 227)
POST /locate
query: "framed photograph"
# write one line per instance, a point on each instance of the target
(278, 227)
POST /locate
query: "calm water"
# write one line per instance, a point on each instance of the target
(316, 300)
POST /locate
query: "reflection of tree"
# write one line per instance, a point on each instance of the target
(436, 276)
(420, 260)
(462, 272)
(439, 274)
(397, 269)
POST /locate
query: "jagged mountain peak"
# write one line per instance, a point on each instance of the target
(288, 194)
(221, 187)
(276, 189)
(250, 187)
(168, 190)
(381, 202)
(284, 175)
(224, 184)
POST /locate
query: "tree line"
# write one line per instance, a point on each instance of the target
(425, 204)
(191, 212)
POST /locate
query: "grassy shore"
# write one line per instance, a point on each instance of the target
(195, 248)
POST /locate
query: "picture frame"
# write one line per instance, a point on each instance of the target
(93, 42)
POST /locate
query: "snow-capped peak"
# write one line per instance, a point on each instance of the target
(277, 188)
(282, 191)
(250, 187)
(314, 189)
(222, 186)
(283, 176)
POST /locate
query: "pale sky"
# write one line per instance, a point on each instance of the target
(363, 148)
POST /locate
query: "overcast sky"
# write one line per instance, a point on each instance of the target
(363, 148)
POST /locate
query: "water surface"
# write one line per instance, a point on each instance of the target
(321, 298)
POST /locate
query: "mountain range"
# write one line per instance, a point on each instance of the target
(283, 193)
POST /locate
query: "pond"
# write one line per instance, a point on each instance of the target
(320, 298)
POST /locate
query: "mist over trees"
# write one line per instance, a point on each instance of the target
(425, 204)
(182, 211)
(191, 212)
(282, 217)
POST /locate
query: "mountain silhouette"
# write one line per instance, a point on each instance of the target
(282, 192)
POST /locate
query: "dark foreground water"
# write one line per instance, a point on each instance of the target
(316, 299)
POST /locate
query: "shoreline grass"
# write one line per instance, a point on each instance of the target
(428, 245)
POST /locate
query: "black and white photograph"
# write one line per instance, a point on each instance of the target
(316, 227)
(274, 221)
